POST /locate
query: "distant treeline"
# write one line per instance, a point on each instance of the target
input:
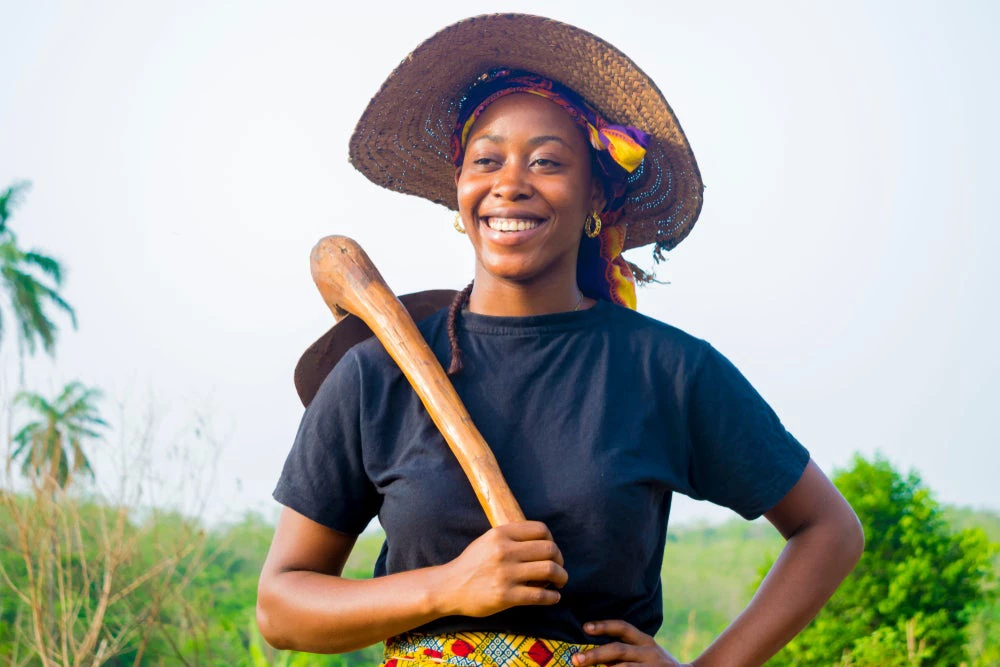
(708, 576)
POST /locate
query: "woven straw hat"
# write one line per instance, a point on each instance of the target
(402, 139)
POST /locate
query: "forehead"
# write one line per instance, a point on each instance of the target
(526, 115)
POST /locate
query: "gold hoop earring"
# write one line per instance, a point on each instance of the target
(458, 224)
(592, 227)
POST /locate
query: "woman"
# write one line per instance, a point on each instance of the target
(596, 414)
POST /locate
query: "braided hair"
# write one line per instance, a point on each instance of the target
(457, 304)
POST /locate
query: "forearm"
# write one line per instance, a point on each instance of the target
(811, 566)
(320, 613)
(303, 603)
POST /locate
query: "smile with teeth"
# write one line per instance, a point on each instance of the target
(511, 224)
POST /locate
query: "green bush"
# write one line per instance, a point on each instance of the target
(915, 569)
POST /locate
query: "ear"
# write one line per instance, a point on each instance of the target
(458, 174)
(597, 199)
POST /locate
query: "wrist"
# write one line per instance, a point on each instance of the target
(437, 592)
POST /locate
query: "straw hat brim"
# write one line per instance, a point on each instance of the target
(320, 357)
(402, 141)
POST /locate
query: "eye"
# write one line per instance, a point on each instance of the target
(546, 163)
(486, 163)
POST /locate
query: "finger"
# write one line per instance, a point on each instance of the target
(627, 632)
(609, 654)
(538, 550)
(541, 571)
(523, 531)
(533, 595)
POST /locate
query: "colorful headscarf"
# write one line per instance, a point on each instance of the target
(602, 273)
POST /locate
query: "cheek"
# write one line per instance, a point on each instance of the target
(568, 201)
(469, 192)
(469, 196)
(570, 192)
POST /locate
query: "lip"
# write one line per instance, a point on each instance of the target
(512, 213)
(511, 238)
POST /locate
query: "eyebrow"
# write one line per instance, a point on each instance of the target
(534, 141)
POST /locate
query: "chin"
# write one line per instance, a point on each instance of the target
(516, 270)
(511, 275)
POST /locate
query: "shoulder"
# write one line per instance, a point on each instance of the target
(647, 337)
(366, 371)
(371, 356)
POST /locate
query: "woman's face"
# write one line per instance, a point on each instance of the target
(525, 189)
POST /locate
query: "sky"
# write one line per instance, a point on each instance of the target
(185, 156)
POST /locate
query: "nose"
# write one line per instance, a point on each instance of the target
(512, 182)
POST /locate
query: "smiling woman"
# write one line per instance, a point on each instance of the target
(557, 155)
(525, 189)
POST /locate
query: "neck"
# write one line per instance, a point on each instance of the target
(491, 296)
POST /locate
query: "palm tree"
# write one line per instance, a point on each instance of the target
(10, 198)
(51, 446)
(31, 280)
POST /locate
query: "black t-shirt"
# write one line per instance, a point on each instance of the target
(595, 418)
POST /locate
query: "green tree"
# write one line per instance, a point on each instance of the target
(50, 448)
(917, 585)
(9, 198)
(31, 280)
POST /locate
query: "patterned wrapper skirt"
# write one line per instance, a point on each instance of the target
(479, 649)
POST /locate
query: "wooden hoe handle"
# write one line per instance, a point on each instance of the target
(349, 281)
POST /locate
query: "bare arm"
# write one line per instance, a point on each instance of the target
(824, 544)
(825, 541)
(304, 604)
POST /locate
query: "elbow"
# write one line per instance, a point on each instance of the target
(285, 626)
(840, 539)
(854, 539)
(845, 534)
(844, 541)
(269, 629)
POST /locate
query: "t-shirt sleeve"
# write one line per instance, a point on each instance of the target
(741, 456)
(324, 476)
